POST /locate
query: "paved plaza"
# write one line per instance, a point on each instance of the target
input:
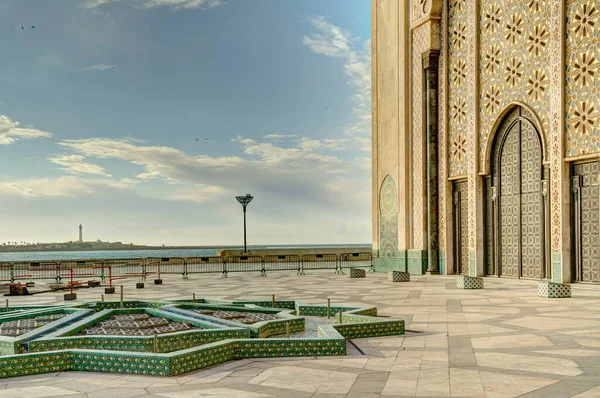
(502, 341)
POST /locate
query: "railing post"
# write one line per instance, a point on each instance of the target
(102, 276)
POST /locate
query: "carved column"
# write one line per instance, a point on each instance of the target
(430, 71)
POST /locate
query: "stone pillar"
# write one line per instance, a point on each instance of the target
(430, 70)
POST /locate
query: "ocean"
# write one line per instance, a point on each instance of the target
(107, 254)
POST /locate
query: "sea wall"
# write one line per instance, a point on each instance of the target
(298, 251)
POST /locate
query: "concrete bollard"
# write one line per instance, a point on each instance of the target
(70, 296)
(340, 317)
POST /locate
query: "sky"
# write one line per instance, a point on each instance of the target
(143, 119)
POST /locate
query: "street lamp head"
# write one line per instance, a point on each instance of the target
(244, 200)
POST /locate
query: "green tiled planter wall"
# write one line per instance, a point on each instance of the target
(61, 349)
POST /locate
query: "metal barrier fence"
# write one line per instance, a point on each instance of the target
(319, 261)
(356, 260)
(122, 268)
(165, 265)
(204, 265)
(115, 269)
(288, 262)
(243, 264)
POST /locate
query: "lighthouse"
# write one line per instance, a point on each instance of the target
(80, 234)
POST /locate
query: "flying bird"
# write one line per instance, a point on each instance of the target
(22, 27)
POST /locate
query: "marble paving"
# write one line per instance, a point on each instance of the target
(502, 341)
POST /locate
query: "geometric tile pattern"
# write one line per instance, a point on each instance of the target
(443, 138)
(388, 218)
(453, 352)
(553, 290)
(398, 276)
(589, 219)
(357, 273)
(583, 81)
(469, 282)
(514, 62)
(125, 344)
(21, 326)
(457, 88)
(462, 208)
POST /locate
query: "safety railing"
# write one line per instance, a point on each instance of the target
(319, 261)
(287, 262)
(127, 268)
(356, 260)
(82, 269)
(165, 266)
(110, 270)
(204, 265)
(243, 264)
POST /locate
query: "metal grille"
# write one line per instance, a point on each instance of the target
(319, 261)
(204, 265)
(587, 243)
(282, 263)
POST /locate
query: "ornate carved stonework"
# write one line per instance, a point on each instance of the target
(422, 10)
(583, 79)
(388, 218)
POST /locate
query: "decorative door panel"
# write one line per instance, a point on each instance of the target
(587, 220)
(515, 203)
(490, 269)
(510, 203)
(532, 249)
(461, 225)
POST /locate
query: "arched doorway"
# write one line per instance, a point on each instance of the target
(388, 218)
(516, 202)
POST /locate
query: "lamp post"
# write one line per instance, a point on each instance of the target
(244, 200)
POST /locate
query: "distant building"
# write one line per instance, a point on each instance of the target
(80, 234)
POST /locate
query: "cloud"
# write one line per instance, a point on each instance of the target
(76, 164)
(335, 144)
(100, 67)
(278, 136)
(175, 4)
(10, 132)
(283, 173)
(57, 187)
(333, 41)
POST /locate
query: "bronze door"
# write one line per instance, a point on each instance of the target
(461, 227)
(516, 223)
(586, 219)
